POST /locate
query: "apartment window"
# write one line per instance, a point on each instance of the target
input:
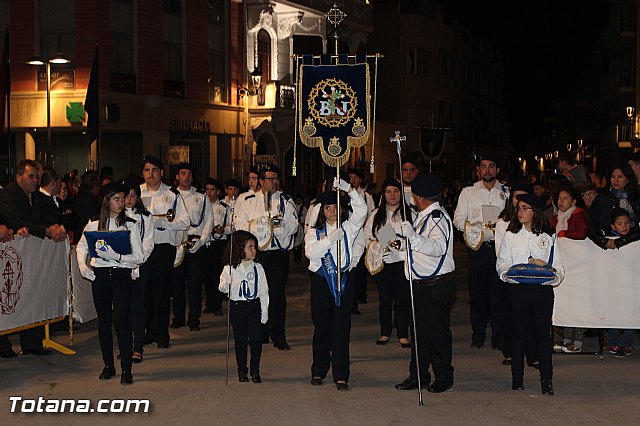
(218, 51)
(263, 61)
(172, 48)
(57, 27)
(123, 77)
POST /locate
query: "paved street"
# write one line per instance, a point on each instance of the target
(186, 383)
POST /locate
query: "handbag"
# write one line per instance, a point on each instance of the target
(118, 240)
(529, 273)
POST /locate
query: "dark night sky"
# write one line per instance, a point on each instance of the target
(545, 45)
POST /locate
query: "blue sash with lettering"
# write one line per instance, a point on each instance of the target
(329, 270)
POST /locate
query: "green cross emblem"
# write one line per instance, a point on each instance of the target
(75, 112)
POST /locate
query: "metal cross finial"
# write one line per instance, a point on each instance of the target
(397, 139)
(335, 15)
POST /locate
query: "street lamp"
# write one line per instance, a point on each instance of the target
(58, 58)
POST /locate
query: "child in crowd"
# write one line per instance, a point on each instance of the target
(620, 341)
(571, 222)
(246, 283)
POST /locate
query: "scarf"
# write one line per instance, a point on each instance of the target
(621, 196)
(563, 219)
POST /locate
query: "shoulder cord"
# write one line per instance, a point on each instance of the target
(447, 239)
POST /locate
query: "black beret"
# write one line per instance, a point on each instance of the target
(356, 172)
(533, 201)
(427, 186)
(214, 182)
(184, 166)
(521, 186)
(232, 182)
(268, 167)
(253, 169)
(328, 198)
(114, 187)
(487, 156)
(132, 182)
(152, 160)
(390, 182)
(409, 158)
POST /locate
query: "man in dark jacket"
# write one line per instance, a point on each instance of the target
(17, 212)
(87, 203)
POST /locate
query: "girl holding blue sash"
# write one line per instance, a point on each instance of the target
(246, 283)
(330, 301)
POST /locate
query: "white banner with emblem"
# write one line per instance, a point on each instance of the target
(33, 281)
(600, 288)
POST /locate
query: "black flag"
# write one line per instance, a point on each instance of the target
(92, 101)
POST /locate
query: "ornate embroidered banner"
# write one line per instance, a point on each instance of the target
(334, 109)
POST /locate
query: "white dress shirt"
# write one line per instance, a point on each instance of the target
(431, 242)
(200, 214)
(159, 202)
(129, 261)
(232, 281)
(471, 200)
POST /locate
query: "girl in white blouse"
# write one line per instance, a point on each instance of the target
(529, 240)
(112, 279)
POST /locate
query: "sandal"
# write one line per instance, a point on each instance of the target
(137, 357)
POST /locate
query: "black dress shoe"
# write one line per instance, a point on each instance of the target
(107, 373)
(405, 345)
(316, 381)
(38, 352)
(534, 364)
(439, 387)
(162, 344)
(382, 342)
(8, 354)
(411, 383)
(355, 310)
(476, 344)
(177, 324)
(547, 387)
(242, 378)
(194, 328)
(507, 361)
(126, 378)
(342, 386)
(517, 384)
(255, 378)
(283, 346)
(496, 346)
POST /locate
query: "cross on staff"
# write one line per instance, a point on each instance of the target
(397, 139)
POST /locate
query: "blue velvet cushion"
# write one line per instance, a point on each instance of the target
(529, 273)
(118, 240)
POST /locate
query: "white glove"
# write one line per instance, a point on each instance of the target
(336, 235)
(407, 230)
(392, 256)
(135, 273)
(106, 252)
(86, 272)
(198, 243)
(264, 317)
(341, 184)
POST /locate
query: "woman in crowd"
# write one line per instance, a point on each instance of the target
(623, 192)
(528, 240)
(111, 275)
(392, 284)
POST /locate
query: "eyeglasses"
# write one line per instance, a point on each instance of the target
(271, 179)
(524, 208)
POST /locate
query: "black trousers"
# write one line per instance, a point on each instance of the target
(332, 330)
(531, 307)
(245, 320)
(212, 280)
(112, 287)
(158, 294)
(138, 291)
(358, 277)
(394, 287)
(187, 280)
(530, 349)
(276, 268)
(29, 340)
(485, 304)
(433, 322)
